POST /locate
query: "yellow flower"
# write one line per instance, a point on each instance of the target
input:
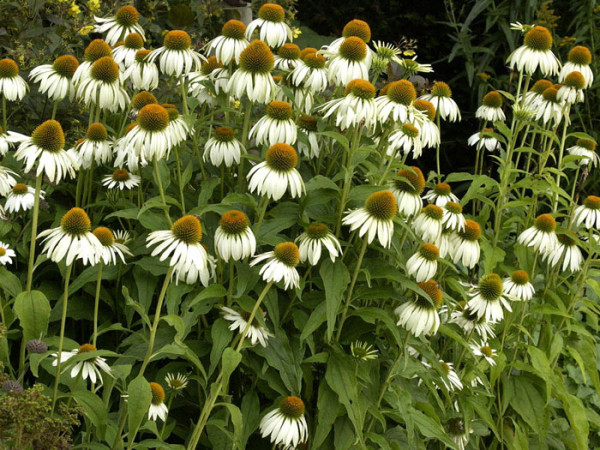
(74, 10)
(84, 31)
(236, 104)
(297, 32)
(483, 76)
(94, 5)
(408, 52)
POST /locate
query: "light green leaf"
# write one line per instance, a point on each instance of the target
(138, 403)
(335, 278)
(94, 409)
(33, 310)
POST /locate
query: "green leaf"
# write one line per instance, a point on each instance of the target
(339, 138)
(33, 310)
(237, 420)
(9, 282)
(231, 359)
(335, 278)
(317, 317)
(94, 409)
(575, 411)
(321, 182)
(138, 403)
(221, 336)
(529, 404)
(541, 365)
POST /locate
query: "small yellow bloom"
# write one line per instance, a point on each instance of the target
(74, 10)
(237, 104)
(93, 5)
(483, 76)
(84, 31)
(297, 32)
(408, 53)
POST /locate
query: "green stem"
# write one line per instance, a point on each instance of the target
(230, 285)
(54, 109)
(61, 339)
(348, 177)
(4, 121)
(162, 192)
(211, 400)
(34, 224)
(183, 95)
(161, 298)
(97, 302)
(179, 180)
(246, 125)
(561, 151)
(261, 209)
(437, 149)
(121, 427)
(363, 250)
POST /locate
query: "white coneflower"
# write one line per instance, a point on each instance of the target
(395, 105)
(140, 100)
(90, 368)
(579, 60)
(287, 57)
(568, 251)
(175, 57)
(12, 86)
(464, 244)
(428, 223)
(239, 321)
(125, 55)
(541, 236)
(46, 148)
(375, 218)
(7, 180)
(223, 148)
(124, 22)
(441, 98)
(200, 82)
(484, 139)
(356, 107)
(484, 350)
(572, 90)
(534, 96)
(412, 66)
(458, 432)
(354, 28)
(181, 244)
(549, 108)
(8, 139)
(122, 236)
(406, 139)
(440, 195)
(253, 77)
(103, 87)
(407, 188)
(96, 49)
(453, 218)
(96, 147)
(286, 425)
(517, 286)
(178, 128)
(230, 44)
(588, 214)
(315, 236)
(586, 148)
(270, 26)
(176, 382)
(387, 53)
(311, 73)
(277, 126)
(21, 198)
(234, 239)
(152, 137)
(488, 298)
(142, 73)
(157, 409)
(423, 264)
(363, 351)
(491, 107)
(56, 79)
(111, 249)
(72, 240)
(121, 179)
(280, 265)
(536, 52)
(450, 378)
(471, 323)
(307, 126)
(351, 61)
(126, 154)
(277, 174)
(6, 254)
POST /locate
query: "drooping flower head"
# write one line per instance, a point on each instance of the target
(56, 79)
(142, 73)
(157, 409)
(491, 107)
(518, 287)
(579, 60)
(277, 126)
(238, 320)
(441, 194)
(277, 174)
(423, 264)
(230, 44)
(103, 87)
(420, 315)
(270, 25)
(395, 105)
(287, 57)
(253, 77)
(152, 137)
(12, 86)
(572, 89)
(428, 224)
(566, 251)
(484, 139)
(586, 148)
(176, 56)
(464, 244)
(541, 236)
(375, 218)
(588, 214)
(46, 147)
(441, 98)
(223, 148)
(286, 425)
(125, 55)
(536, 52)
(234, 239)
(124, 22)
(315, 236)
(280, 265)
(349, 62)
(96, 147)
(6, 254)
(21, 198)
(89, 368)
(488, 298)
(407, 187)
(111, 250)
(356, 107)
